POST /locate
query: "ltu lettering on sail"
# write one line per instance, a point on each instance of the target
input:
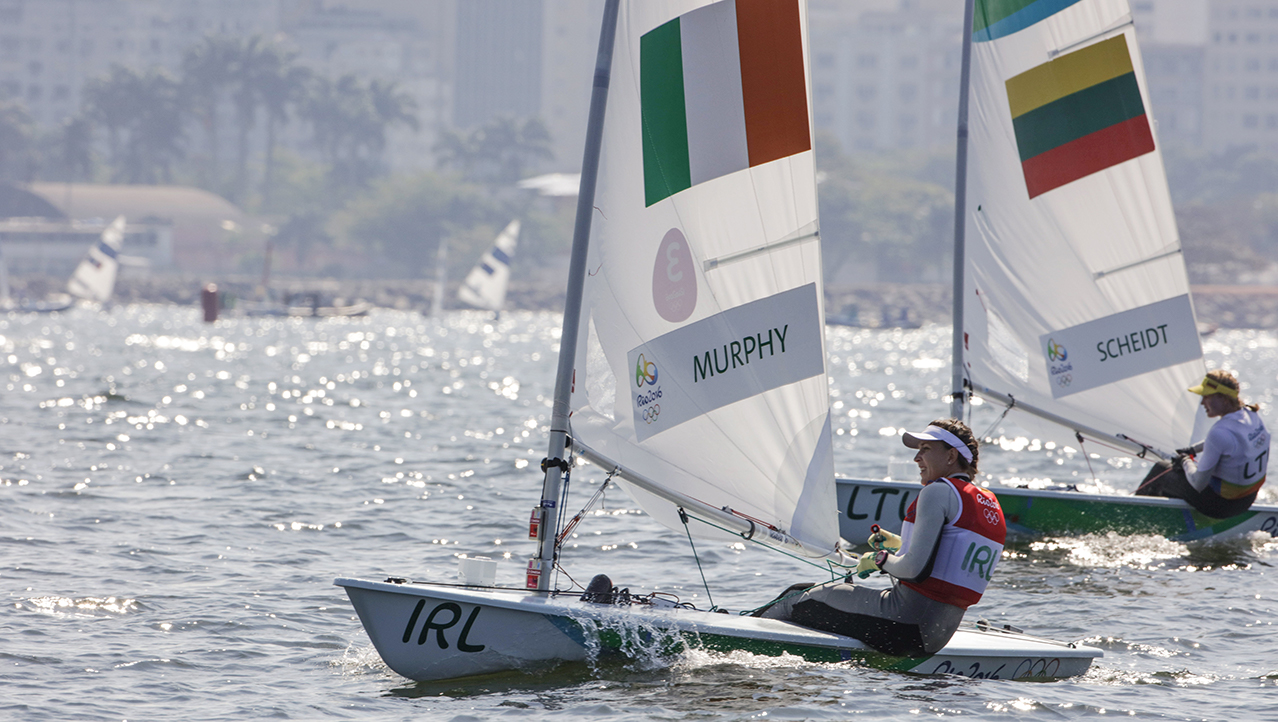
(1134, 342)
(736, 354)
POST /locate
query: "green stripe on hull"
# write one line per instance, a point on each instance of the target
(671, 642)
(1047, 516)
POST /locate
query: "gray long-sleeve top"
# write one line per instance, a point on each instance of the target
(936, 505)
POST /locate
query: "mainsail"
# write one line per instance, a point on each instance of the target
(1075, 296)
(485, 285)
(94, 278)
(701, 361)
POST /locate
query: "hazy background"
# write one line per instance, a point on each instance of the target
(357, 135)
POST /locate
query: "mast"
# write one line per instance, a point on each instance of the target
(959, 395)
(553, 483)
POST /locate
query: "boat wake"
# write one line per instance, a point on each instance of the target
(644, 647)
(1110, 550)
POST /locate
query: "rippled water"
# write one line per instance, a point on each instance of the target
(176, 499)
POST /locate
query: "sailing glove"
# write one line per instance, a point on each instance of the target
(884, 539)
(866, 566)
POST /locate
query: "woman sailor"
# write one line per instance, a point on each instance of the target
(1226, 476)
(940, 564)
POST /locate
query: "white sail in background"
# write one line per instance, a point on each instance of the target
(1076, 294)
(485, 285)
(701, 359)
(94, 278)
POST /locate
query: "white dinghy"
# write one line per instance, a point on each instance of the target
(692, 362)
(1072, 308)
(485, 286)
(94, 279)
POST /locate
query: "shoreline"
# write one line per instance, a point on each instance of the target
(881, 305)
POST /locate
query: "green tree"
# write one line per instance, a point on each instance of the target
(502, 151)
(111, 102)
(208, 71)
(246, 97)
(158, 137)
(402, 221)
(878, 210)
(17, 142)
(68, 151)
(350, 118)
(143, 116)
(283, 86)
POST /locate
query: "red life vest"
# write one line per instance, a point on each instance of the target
(968, 550)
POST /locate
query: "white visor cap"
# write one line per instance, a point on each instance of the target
(936, 433)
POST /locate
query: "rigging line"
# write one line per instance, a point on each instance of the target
(683, 517)
(1127, 266)
(1079, 435)
(999, 420)
(829, 564)
(566, 529)
(555, 568)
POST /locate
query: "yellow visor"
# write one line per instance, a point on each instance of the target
(1210, 386)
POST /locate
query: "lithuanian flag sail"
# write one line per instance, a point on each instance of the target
(1078, 114)
(722, 89)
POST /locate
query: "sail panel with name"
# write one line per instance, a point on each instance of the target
(661, 298)
(1069, 223)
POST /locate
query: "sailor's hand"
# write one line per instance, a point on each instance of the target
(866, 566)
(883, 539)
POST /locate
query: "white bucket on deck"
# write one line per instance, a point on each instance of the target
(478, 571)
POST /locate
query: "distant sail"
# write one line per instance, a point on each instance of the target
(485, 285)
(94, 278)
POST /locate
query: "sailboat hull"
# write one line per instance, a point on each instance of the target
(1035, 513)
(433, 632)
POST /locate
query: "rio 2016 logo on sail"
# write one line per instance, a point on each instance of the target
(646, 373)
(1055, 351)
(1057, 363)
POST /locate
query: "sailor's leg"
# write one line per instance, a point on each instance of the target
(896, 621)
(1168, 480)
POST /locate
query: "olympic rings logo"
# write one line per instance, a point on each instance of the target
(1055, 351)
(650, 413)
(645, 371)
(991, 516)
(1064, 380)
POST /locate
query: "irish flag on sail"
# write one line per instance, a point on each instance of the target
(1077, 115)
(722, 89)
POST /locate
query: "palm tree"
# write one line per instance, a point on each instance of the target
(253, 60)
(501, 151)
(390, 106)
(207, 71)
(282, 85)
(156, 138)
(349, 121)
(70, 148)
(111, 101)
